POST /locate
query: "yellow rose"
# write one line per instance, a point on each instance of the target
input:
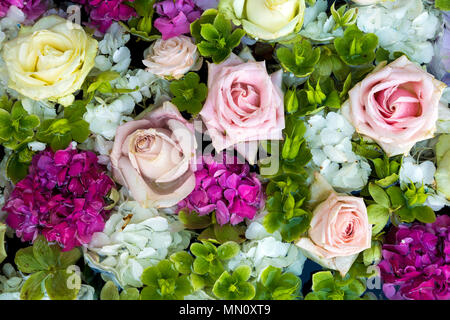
(49, 60)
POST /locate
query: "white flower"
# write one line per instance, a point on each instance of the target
(402, 25)
(317, 25)
(104, 118)
(134, 238)
(413, 172)
(36, 146)
(264, 249)
(330, 141)
(114, 55)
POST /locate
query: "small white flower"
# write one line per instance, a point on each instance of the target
(330, 141)
(412, 172)
(36, 146)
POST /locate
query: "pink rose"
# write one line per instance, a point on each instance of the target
(395, 105)
(173, 57)
(339, 229)
(152, 157)
(244, 105)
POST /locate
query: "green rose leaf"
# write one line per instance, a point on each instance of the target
(424, 214)
(57, 288)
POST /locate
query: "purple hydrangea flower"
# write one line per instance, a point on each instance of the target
(175, 17)
(102, 13)
(62, 198)
(31, 8)
(226, 187)
(416, 261)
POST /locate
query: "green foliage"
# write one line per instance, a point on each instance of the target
(415, 196)
(275, 285)
(16, 125)
(58, 133)
(327, 285)
(342, 17)
(373, 254)
(183, 262)
(221, 234)
(285, 197)
(235, 286)
(443, 5)
(2, 242)
(393, 203)
(314, 98)
(142, 26)
(209, 259)
(164, 282)
(300, 59)
(18, 162)
(189, 93)
(110, 292)
(192, 220)
(366, 149)
(356, 47)
(214, 35)
(330, 63)
(48, 266)
(386, 170)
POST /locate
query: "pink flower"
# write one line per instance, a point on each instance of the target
(395, 105)
(102, 13)
(244, 105)
(62, 197)
(175, 17)
(31, 8)
(416, 261)
(226, 187)
(152, 157)
(339, 229)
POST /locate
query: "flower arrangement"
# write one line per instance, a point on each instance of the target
(224, 150)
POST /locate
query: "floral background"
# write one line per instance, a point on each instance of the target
(188, 149)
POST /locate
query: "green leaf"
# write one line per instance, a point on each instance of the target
(109, 292)
(68, 258)
(208, 32)
(389, 180)
(322, 280)
(379, 195)
(443, 5)
(26, 262)
(33, 289)
(43, 253)
(424, 214)
(300, 60)
(396, 196)
(378, 216)
(242, 273)
(57, 288)
(356, 47)
(15, 169)
(183, 262)
(373, 254)
(129, 294)
(227, 250)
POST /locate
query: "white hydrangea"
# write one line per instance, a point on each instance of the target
(11, 282)
(134, 238)
(402, 25)
(115, 56)
(104, 118)
(148, 84)
(42, 108)
(317, 25)
(330, 141)
(412, 171)
(265, 249)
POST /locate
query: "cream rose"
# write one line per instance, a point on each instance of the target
(339, 229)
(49, 60)
(152, 157)
(244, 105)
(395, 105)
(173, 57)
(265, 19)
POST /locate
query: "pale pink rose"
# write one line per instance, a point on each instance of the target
(173, 57)
(395, 105)
(339, 229)
(244, 105)
(152, 157)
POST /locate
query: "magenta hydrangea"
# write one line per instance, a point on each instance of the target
(62, 197)
(226, 187)
(416, 261)
(31, 8)
(175, 17)
(103, 13)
